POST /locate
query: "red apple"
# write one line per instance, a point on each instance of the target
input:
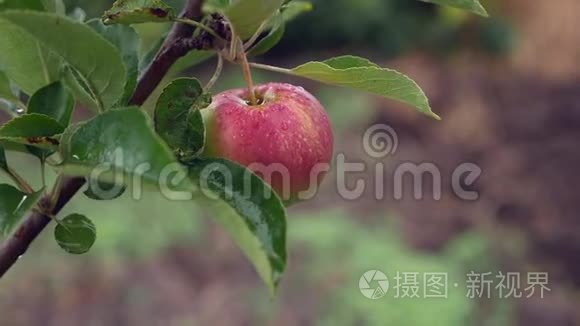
(286, 138)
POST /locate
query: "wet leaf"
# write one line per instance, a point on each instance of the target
(25, 60)
(54, 101)
(56, 6)
(178, 119)
(249, 210)
(22, 4)
(97, 61)
(293, 9)
(3, 162)
(75, 234)
(138, 11)
(118, 143)
(470, 5)
(14, 204)
(361, 74)
(271, 39)
(126, 40)
(34, 129)
(247, 15)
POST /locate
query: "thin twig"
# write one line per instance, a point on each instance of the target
(19, 181)
(43, 173)
(216, 74)
(201, 26)
(271, 68)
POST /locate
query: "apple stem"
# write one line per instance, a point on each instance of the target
(247, 72)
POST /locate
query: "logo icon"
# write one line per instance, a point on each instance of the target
(380, 140)
(373, 284)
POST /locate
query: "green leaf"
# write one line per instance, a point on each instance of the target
(269, 41)
(81, 90)
(138, 11)
(75, 234)
(3, 162)
(37, 130)
(119, 142)
(66, 136)
(361, 74)
(97, 190)
(25, 60)
(56, 6)
(215, 5)
(14, 204)
(96, 60)
(469, 5)
(126, 39)
(39, 67)
(349, 61)
(287, 12)
(178, 119)
(54, 101)
(22, 4)
(294, 9)
(31, 125)
(246, 16)
(6, 89)
(250, 212)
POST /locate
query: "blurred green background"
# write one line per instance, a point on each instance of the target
(507, 89)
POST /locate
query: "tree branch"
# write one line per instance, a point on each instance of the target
(16, 246)
(177, 44)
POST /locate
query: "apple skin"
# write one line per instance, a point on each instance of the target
(288, 127)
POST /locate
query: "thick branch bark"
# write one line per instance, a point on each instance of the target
(177, 44)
